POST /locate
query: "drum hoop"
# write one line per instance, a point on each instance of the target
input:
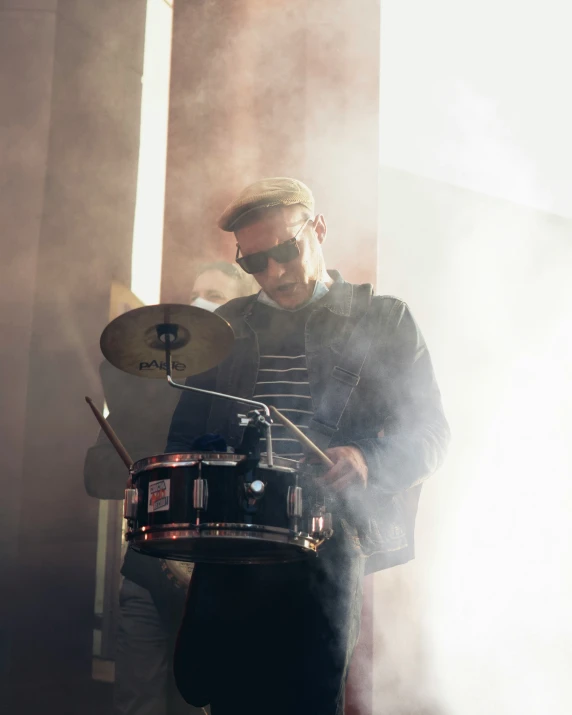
(197, 528)
(161, 465)
(185, 459)
(193, 531)
(166, 534)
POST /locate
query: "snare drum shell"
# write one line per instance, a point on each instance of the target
(235, 527)
(165, 486)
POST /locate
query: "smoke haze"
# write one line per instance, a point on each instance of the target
(474, 234)
(485, 270)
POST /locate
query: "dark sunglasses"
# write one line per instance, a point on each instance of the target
(282, 253)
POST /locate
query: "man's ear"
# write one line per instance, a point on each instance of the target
(320, 228)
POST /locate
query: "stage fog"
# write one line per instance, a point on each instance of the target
(434, 138)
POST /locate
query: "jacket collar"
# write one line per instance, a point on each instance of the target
(340, 296)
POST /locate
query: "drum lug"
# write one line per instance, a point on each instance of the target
(200, 493)
(130, 504)
(294, 507)
(321, 524)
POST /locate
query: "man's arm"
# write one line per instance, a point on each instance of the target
(416, 434)
(412, 439)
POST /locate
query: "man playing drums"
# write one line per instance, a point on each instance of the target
(352, 371)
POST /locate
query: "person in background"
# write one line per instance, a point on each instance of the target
(219, 282)
(151, 596)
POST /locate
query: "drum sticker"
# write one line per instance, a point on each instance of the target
(159, 495)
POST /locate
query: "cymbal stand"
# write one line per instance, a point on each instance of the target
(167, 333)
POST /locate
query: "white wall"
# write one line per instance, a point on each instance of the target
(477, 94)
(481, 622)
(475, 99)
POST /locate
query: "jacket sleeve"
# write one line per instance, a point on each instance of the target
(191, 415)
(416, 433)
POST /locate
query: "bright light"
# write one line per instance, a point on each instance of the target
(481, 622)
(150, 202)
(498, 611)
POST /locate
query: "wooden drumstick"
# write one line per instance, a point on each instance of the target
(113, 438)
(302, 437)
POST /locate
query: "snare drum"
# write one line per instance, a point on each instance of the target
(220, 508)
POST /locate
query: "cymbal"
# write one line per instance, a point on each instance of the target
(135, 342)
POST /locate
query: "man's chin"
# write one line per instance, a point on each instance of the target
(290, 298)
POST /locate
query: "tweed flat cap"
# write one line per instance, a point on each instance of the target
(263, 194)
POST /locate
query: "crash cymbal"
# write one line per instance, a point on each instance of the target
(135, 342)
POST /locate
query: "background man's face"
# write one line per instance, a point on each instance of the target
(289, 284)
(215, 286)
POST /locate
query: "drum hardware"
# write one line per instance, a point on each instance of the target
(200, 496)
(321, 523)
(256, 425)
(244, 420)
(255, 418)
(130, 504)
(255, 489)
(295, 506)
(265, 422)
(208, 507)
(168, 336)
(157, 341)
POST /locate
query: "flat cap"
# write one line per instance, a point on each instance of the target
(263, 194)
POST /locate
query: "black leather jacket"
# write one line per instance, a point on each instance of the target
(397, 397)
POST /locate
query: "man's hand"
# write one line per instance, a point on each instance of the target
(349, 470)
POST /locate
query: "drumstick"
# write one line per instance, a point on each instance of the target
(302, 437)
(113, 438)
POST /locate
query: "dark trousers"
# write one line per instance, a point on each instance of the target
(270, 639)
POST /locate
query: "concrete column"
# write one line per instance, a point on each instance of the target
(70, 88)
(272, 89)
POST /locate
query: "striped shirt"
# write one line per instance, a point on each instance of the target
(282, 379)
(283, 383)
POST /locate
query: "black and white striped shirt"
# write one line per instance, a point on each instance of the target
(283, 383)
(282, 379)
